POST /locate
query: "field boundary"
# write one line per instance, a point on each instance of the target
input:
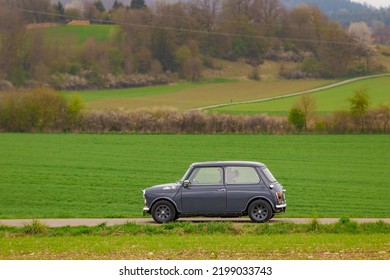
(119, 221)
(290, 94)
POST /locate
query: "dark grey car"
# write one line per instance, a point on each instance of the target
(218, 189)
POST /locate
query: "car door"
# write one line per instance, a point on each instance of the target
(206, 192)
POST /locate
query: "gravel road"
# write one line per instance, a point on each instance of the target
(111, 222)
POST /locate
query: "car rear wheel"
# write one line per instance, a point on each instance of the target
(163, 212)
(260, 211)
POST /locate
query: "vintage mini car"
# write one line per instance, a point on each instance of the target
(218, 189)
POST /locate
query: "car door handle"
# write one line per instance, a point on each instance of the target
(221, 190)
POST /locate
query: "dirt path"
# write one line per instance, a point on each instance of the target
(111, 222)
(292, 94)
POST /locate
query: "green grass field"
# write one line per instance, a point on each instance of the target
(330, 100)
(99, 32)
(85, 175)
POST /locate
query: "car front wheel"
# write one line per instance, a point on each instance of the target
(260, 211)
(163, 212)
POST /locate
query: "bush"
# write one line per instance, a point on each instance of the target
(42, 109)
(168, 120)
(297, 118)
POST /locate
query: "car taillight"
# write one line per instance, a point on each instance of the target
(279, 197)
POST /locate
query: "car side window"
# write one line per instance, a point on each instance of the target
(236, 175)
(207, 176)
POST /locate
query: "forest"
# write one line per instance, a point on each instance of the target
(171, 41)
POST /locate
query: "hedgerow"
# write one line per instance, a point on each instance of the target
(46, 110)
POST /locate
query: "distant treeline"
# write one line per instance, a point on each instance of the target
(45, 110)
(176, 41)
(347, 11)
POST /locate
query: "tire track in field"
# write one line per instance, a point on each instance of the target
(112, 222)
(290, 94)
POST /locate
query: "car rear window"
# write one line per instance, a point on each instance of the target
(241, 175)
(269, 175)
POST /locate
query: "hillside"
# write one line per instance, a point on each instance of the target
(184, 44)
(343, 11)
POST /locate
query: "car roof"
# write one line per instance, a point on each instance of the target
(228, 163)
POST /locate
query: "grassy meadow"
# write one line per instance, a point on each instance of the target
(90, 175)
(81, 33)
(329, 100)
(192, 95)
(195, 95)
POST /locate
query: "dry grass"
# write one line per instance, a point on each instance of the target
(209, 94)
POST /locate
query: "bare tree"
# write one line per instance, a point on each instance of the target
(205, 13)
(266, 14)
(12, 42)
(307, 105)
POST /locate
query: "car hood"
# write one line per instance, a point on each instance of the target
(170, 187)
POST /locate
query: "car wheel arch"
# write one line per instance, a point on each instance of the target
(165, 199)
(260, 198)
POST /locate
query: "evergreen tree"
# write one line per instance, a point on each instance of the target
(117, 5)
(99, 6)
(137, 4)
(59, 8)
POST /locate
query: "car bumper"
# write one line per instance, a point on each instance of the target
(146, 210)
(281, 208)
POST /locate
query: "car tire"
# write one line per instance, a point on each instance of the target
(260, 211)
(163, 212)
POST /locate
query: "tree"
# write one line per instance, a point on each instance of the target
(241, 41)
(163, 49)
(59, 9)
(361, 36)
(12, 45)
(34, 11)
(335, 51)
(307, 105)
(38, 57)
(296, 118)
(205, 13)
(117, 5)
(137, 4)
(99, 6)
(359, 104)
(266, 14)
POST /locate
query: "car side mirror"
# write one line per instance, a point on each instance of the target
(186, 183)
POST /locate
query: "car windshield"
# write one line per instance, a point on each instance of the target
(185, 175)
(269, 175)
